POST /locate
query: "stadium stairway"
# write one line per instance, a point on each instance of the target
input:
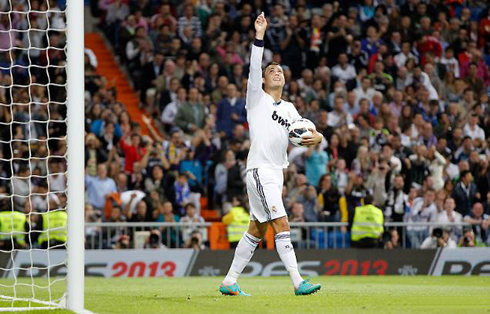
(108, 67)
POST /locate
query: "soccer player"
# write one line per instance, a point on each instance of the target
(269, 118)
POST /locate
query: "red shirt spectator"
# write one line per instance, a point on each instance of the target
(133, 152)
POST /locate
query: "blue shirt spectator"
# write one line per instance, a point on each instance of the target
(315, 164)
(230, 112)
(99, 187)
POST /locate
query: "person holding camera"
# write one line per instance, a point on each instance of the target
(479, 221)
(439, 238)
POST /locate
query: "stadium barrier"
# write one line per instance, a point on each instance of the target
(304, 235)
(189, 262)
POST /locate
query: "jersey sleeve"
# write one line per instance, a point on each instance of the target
(254, 84)
(295, 114)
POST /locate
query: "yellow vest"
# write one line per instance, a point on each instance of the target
(54, 226)
(238, 225)
(12, 225)
(368, 223)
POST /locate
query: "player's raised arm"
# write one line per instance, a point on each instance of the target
(254, 85)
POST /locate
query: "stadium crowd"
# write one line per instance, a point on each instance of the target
(399, 89)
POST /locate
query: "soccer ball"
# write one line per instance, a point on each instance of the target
(299, 129)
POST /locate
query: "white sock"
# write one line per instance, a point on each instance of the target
(288, 257)
(243, 253)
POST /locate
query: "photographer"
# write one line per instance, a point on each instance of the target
(439, 238)
(154, 241)
(195, 242)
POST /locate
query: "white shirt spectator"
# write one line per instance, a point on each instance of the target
(57, 182)
(401, 58)
(443, 217)
(431, 243)
(419, 213)
(436, 169)
(170, 111)
(346, 74)
(451, 64)
(474, 132)
(361, 93)
(336, 119)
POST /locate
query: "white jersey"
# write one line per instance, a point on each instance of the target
(268, 121)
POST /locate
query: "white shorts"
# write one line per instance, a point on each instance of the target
(264, 189)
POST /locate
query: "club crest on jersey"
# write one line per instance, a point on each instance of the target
(280, 120)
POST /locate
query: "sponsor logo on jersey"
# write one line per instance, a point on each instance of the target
(280, 120)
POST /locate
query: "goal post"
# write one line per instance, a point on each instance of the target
(42, 155)
(76, 155)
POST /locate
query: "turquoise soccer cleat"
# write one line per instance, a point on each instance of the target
(305, 288)
(232, 290)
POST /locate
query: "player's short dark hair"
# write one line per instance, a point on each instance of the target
(268, 65)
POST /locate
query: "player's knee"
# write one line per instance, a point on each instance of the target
(280, 225)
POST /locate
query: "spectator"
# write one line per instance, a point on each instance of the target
(328, 200)
(423, 210)
(99, 187)
(480, 222)
(396, 200)
(465, 193)
(230, 111)
(190, 116)
(191, 217)
(338, 116)
(344, 71)
(449, 215)
(315, 164)
(308, 199)
(133, 152)
(472, 129)
(171, 109)
(189, 23)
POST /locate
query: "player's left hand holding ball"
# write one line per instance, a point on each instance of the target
(313, 139)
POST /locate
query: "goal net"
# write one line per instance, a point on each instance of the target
(34, 155)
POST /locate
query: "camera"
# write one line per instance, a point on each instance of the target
(437, 232)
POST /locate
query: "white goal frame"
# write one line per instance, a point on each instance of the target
(76, 155)
(73, 298)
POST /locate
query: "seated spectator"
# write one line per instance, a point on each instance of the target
(480, 222)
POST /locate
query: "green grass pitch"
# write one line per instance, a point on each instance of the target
(388, 294)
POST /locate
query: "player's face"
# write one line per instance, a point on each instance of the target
(274, 77)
